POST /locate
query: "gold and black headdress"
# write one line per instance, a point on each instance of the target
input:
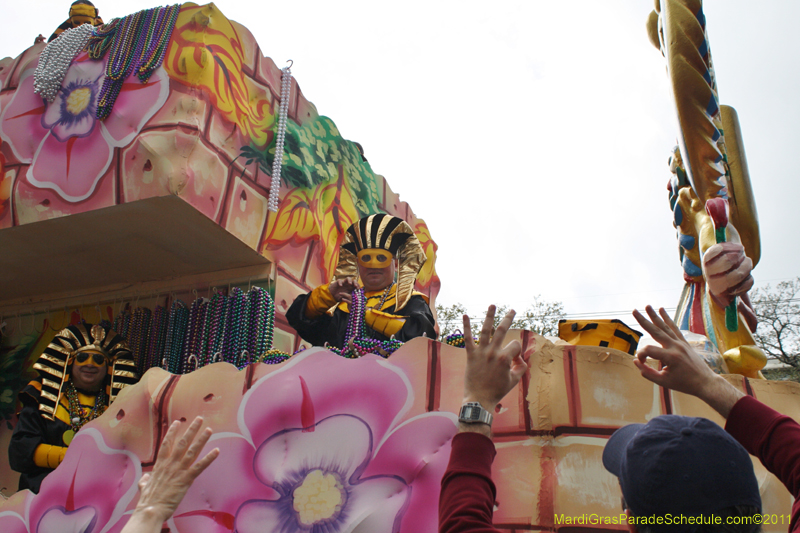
(80, 12)
(389, 233)
(53, 364)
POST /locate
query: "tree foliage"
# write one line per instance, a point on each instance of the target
(778, 313)
(541, 317)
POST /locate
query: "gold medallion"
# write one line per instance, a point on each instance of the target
(68, 436)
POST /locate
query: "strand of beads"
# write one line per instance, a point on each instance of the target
(137, 342)
(277, 162)
(357, 342)
(158, 336)
(256, 321)
(120, 62)
(101, 39)
(56, 58)
(268, 333)
(77, 418)
(216, 331)
(355, 322)
(196, 319)
(138, 44)
(359, 347)
(248, 332)
(123, 328)
(274, 357)
(162, 32)
(202, 353)
(233, 327)
(455, 339)
(176, 334)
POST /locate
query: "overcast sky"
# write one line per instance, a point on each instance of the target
(532, 136)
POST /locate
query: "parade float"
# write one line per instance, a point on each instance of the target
(188, 198)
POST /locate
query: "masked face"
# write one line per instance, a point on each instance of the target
(89, 369)
(375, 279)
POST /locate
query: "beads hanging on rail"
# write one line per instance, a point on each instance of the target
(236, 328)
(157, 338)
(215, 325)
(139, 336)
(176, 334)
(197, 318)
(236, 315)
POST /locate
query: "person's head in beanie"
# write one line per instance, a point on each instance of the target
(676, 471)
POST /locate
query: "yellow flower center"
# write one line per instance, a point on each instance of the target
(78, 100)
(319, 497)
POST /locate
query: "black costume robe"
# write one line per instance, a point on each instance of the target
(32, 430)
(332, 329)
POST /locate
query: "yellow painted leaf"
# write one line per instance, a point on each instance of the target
(295, 220)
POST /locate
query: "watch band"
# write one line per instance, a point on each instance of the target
(474, 413)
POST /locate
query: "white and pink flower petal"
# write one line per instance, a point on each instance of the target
(258, 516)
(136, 104)
(11, 522)
(218, 492)
(92, 476)
(411, 446)
(376, 505)
(330, 385)
(57, 520)
(341, 444)
(71, 168)
(21, 120)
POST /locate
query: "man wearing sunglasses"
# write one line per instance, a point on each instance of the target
(380, 254)
(81, 372)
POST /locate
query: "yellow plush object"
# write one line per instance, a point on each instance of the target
(385, 323)
(47, 456)
(611, 333)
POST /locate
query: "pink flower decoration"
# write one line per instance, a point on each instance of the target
(321, 449)
(68, 148)
(88, 493)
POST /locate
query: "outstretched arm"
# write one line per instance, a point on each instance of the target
(682, 369)
(468, 493)
(492, 369)
(174, 472)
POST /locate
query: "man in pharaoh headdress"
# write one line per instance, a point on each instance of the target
(381, 254)
(80, 374)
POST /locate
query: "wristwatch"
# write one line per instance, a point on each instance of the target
(474, 413)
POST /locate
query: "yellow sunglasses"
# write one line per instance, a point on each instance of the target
(86, 358)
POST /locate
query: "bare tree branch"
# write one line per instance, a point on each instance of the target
(778, 313)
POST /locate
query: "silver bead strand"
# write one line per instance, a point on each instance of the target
(56, 58)
(277, 162)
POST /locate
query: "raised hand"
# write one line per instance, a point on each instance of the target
(342, 289)
(174, 472)
(492, 369)
(682, 369)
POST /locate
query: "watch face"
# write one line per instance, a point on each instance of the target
(471, 414)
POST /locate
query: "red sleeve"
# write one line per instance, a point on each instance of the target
(468, 493)
(773, 438)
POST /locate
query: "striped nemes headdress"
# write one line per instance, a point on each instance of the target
(53, 364)
(389, 233)
(80, 12)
